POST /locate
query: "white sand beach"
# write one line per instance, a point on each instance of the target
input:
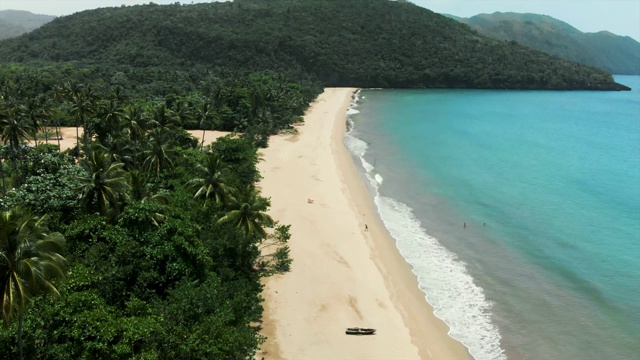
(342, 276)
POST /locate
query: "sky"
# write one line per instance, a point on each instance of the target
(621, 17)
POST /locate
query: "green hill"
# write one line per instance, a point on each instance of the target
(14, 23)
(616, 54)
(362, 43)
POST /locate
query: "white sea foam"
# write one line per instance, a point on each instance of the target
(355, 145)
(367, 167)
(445, 281)
(443, 278)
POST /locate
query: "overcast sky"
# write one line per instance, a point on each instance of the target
(621, 17)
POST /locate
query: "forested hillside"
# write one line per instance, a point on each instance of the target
(616, 54)
(363, 43)
(15, 23)
(140, 242)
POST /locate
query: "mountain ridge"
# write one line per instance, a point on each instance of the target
(14, 23)
(603, 49)
(330, 40)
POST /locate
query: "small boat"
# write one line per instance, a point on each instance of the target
(360, 331)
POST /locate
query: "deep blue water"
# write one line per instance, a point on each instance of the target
(519, 210)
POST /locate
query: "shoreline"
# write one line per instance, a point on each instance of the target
(342, 275)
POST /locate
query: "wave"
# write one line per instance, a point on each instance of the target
(443, 278)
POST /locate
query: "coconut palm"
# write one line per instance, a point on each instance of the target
(159, 154)
(82, 106)
(34, 114)
(209, 185)
(182, 112)
(118, 94)
(14, 130)
(30, 262)
(105, 183)
(134, 122)
(162, 117)
(45, 116)
(245, 210)
(205, 116)
(14, 127)
(58, 95)
(140, 191)
(120, 148)
(111, 114)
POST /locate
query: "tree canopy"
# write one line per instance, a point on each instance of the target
(360, 43)
(154, 271)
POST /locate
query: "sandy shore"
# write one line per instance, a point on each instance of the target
(68, 136)
(342, 276)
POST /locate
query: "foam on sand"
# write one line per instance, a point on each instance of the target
(442, 277)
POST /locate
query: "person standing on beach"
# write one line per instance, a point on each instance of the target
(366, 228)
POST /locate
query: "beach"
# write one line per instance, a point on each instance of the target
(346, 270)
(68, 136)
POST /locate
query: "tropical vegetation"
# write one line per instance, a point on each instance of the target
(163, 240)
(359, 43)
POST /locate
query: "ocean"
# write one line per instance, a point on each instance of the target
(519, 212)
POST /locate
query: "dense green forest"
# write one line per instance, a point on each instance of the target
(152, 245)
(361, 43)
(616, 54)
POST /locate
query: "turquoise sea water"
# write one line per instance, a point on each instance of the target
(519, 211)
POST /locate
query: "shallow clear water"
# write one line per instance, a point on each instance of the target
(519, 210)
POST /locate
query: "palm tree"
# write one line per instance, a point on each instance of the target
(210, 183)
(58, 95)
(140, 189)
(134, 122)
(117, 93)
(204, 115)
(45, 116)
(105, 182)
(15, 128)
(35, 115)
(182, 112)
(82, 106)
(140, 192)
(111, 114)
(30, 262)
(159, 154)
(246, 212)
(162, 117)
(135, 125)
(121, 149)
